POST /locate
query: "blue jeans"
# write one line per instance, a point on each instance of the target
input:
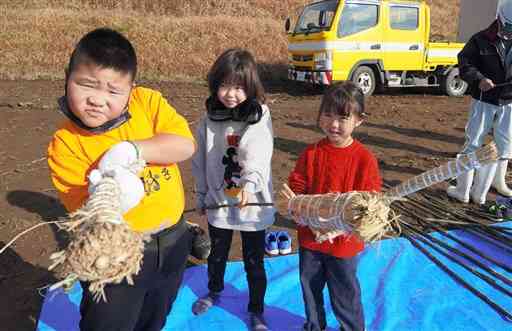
(318, 269)
(482, 118)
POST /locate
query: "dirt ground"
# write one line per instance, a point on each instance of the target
(409, 131)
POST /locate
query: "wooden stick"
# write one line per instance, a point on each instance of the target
(191, 210)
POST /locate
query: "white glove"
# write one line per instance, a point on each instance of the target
(123, 154)
(131, 186)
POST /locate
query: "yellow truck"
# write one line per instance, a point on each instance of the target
(374, 43)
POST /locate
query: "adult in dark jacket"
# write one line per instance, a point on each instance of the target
(486, 64)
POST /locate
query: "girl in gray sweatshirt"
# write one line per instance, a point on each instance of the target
(232, 169)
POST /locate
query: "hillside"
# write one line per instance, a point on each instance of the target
(175, 39)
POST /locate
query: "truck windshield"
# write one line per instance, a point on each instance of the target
(316, 17)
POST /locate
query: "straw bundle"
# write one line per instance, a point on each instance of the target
(366, 214)
(103, 249)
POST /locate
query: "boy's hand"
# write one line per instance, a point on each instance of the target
(124, 154)
(130, 186)
(486, 84)
(201, 211)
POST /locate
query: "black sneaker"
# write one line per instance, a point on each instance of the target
(201, 244)
(258, 322)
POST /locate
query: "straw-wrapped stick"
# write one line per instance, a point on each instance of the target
(367, 213)
(103, 249)
(364, 213)
(451, 169)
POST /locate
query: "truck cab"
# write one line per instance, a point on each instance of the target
(375, 43)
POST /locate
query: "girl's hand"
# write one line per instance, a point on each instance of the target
(294, 217)
(244, 197)
(201, 211)
(288, 194)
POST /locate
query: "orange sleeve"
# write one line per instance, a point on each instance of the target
(165, 118)
(68, 174)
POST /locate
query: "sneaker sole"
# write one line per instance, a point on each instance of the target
(272, 252)
(285, 251)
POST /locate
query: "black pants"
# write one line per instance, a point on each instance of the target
(253, 249)
(318, 269)
(145, 305)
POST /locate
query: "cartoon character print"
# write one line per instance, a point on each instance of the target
(232, 170)
(152, 180)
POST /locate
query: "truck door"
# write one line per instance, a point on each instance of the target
(359, 37)
(404, 37)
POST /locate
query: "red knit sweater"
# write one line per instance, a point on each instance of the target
(324, 168)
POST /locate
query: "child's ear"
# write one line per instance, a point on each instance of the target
(359, 122)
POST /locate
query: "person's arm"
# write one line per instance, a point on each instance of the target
(199, 168)
(171, 142)
(297, 180)
(164, 148)
(467, 59)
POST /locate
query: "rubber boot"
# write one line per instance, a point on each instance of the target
(483, 180)
(499, 182)
(461, 191)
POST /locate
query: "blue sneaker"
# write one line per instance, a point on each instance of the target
(271, 243)
(284, 242)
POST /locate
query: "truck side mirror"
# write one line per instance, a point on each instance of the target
(322, 19)
(287, 24)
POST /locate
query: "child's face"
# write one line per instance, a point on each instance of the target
(337, 128)
(97, 95)
(231, 95)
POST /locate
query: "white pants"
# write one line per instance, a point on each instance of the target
(482, 118)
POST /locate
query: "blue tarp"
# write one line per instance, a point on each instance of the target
(401, 288)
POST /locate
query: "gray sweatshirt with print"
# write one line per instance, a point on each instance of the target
(231, 156)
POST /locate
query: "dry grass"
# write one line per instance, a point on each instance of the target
(175, 39)
(444, 19)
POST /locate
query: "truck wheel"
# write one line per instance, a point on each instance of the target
(365, 79)
(452, 84)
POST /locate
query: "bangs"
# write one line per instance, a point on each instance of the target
(236, 67)
(343, 108)
(235, 77)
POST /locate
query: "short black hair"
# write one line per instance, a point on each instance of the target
(236, 66)
(343, 99)
(106, 48)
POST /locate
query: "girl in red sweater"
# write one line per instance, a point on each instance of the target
(337, 163)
